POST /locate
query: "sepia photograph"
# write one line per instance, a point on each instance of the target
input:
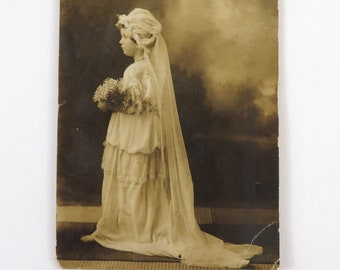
(167, 154)
(170, 134)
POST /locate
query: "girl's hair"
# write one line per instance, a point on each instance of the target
(142, 27)
(133, 40)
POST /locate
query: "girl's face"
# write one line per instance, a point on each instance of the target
(129, 47)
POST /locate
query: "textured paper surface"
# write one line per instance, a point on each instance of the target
(224, 60)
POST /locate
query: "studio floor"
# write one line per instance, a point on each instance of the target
(259, 226)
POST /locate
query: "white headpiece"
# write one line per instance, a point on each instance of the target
(142, 27)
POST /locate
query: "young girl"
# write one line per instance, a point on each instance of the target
(147, 193)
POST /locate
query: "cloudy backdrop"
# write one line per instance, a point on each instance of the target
(224, 59)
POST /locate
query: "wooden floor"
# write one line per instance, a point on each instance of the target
(73, 221)
(120, 265)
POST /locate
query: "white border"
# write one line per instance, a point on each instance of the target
(309, 137)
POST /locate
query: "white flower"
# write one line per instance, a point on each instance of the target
(122, 20)
(108, 86)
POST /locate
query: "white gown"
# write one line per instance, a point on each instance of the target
(136, 203)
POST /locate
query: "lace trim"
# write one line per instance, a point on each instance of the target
(131, 168)
(135, 180)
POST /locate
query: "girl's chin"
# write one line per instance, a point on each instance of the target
(126, 54)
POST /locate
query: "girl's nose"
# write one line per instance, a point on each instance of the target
(120, 42)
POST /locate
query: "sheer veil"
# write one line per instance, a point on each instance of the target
(175, 167)
(195, 247)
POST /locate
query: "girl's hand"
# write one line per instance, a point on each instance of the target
(102, 106)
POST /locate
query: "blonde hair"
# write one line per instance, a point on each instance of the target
(141, 26)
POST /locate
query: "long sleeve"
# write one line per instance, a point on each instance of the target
(135, 123)
(134, 98)
(131, 98)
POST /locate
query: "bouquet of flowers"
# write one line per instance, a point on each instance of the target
(109, 92)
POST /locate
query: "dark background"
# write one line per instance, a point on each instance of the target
(231, 139)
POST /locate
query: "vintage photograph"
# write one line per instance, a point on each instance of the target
(168, 135)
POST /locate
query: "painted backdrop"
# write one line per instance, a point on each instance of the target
(224, 60)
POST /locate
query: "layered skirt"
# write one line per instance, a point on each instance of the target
(136, 215)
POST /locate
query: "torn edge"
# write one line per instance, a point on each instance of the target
(257, 235)
(276, 264)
